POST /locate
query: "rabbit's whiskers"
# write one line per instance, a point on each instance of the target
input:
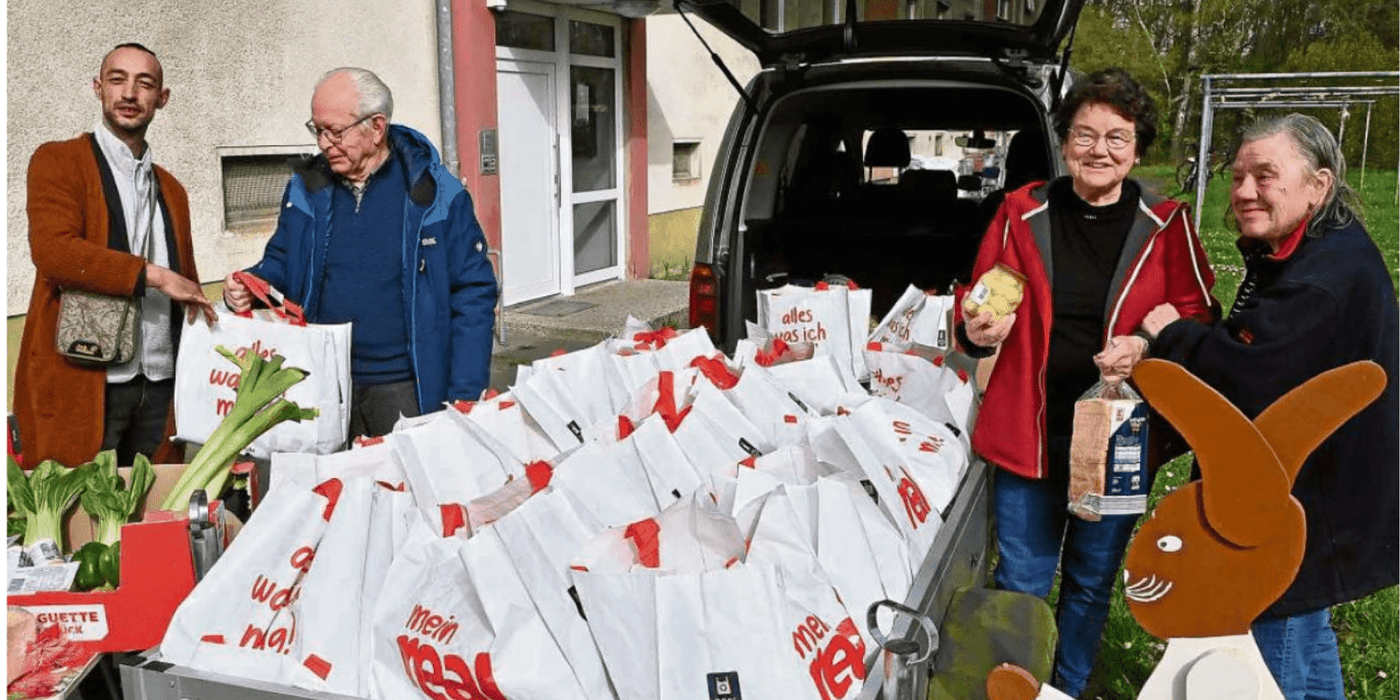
(1147, 590)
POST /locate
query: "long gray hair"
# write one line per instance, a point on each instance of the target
(375, 96)
(1319, 149)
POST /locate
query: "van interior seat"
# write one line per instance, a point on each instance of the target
(888, 148)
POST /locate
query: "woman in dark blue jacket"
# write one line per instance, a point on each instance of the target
(1316, 295)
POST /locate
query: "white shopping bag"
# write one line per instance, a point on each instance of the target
(765, 402)
(608, 481)
(928, 386)
(431, 639)
(589, 379)
(936, 453)
(848, 447)
(616, 574)
(737, 630)
(502, 418)
(794, 465)
(690, 536)
(542, 536)
(858, 303)
(668, 469)
(678, 352)
(817, 315)
(243, 601)
(917, 318)
(205, 381)
(303, 469)
(334, 594)
(713, 433)
(859, 548)
(807, 315)
(765, 351)
(826, 638)
(448, 464)
(819, 383)
(526, 661)
(636, 368)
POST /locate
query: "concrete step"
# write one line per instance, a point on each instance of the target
(537, 328)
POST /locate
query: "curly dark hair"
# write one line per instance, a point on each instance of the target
(1116, 88)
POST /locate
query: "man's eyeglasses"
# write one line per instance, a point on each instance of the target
(1115, 140)
(334, 135)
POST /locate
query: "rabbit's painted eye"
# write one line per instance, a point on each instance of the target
(1170, 543)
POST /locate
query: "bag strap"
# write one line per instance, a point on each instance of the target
(286, 309)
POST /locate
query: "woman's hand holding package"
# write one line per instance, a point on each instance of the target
(1120, 356)
(984, 331)
(1159, 318)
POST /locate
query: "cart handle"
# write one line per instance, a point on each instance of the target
(902, 645)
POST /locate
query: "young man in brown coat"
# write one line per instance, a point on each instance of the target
(91, 201)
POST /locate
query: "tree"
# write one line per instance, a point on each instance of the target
(1169, 44)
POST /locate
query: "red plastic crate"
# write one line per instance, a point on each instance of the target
(157, 575)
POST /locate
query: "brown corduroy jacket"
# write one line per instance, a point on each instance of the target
(59, 404)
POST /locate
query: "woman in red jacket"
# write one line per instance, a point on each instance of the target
(1098, 252)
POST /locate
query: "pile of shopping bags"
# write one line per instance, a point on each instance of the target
(644, 518)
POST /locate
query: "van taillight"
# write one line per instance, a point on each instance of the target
(704, 298)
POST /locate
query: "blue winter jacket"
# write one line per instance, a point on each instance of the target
(449, 288)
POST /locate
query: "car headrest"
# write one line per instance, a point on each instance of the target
(1025, 159)
(888, 148)
(936, 186)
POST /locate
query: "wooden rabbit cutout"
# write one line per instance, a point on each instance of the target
(1217, 552)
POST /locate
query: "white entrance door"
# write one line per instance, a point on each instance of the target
(525, 102)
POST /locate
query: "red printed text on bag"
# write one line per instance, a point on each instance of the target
(901, 326)
(229, 378)
(889, 381)
(837, 662)
(443, 676)
(915, 503)
(264, 590)
(804, 334)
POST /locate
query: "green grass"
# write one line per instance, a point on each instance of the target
(1368, 630)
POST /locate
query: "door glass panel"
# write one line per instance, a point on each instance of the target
(790, 15)
(595, 236)
(587, 39)
(593, 121)
(524, 31)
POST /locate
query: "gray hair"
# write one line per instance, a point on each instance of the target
(1318, 149)
(375, 96)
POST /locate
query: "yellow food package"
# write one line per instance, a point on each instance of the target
(999, 291)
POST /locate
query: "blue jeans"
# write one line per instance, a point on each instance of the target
(1301, 652)
(134, 415)
(1035, 532)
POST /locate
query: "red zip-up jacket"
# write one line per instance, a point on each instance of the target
(1162, 262)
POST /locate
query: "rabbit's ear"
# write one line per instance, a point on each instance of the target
(1242, 483)
(1301, 419)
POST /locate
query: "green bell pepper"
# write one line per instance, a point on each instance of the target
(111, 564)
(89, 558)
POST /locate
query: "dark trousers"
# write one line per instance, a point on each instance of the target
(134, 417)
(375, 408)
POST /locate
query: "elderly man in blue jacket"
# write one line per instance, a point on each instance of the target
(377, 232)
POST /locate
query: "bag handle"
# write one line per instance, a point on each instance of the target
(286, 309)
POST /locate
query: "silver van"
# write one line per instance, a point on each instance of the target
(875, 143)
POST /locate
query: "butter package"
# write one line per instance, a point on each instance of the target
(999, 290)
(1108, 453)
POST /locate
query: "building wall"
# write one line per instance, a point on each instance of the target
(240, 76)
(688, 99)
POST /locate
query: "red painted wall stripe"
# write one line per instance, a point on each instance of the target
(638, 238)
(474, 67)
